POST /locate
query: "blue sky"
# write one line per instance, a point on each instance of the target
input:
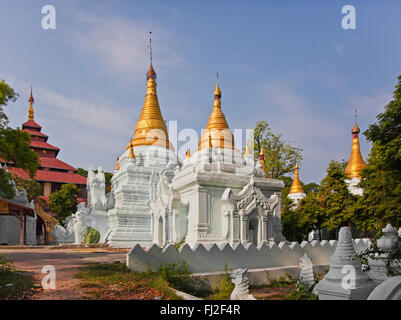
(287, 62)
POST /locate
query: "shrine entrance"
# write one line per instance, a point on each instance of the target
(253, 228)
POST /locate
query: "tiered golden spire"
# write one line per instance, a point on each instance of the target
(296, 186)
(151, 128)
(355, 163)
(217, 127)
(262, 160)
(31, 100)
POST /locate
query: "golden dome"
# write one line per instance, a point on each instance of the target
(31, 100)
(355, 163)
(217, 127)
(296, 186)
(151, 128)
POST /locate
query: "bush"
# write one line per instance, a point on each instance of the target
(91, 235)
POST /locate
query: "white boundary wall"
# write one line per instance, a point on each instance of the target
(214, 258)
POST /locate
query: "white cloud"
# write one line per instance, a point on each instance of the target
(101, 116)
(121, 46)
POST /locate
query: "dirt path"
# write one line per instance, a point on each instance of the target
(66, 263)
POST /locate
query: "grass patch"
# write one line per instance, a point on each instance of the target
(301, 292)
(14, 284)
(224, 288)
(282, 282)
(115, 281)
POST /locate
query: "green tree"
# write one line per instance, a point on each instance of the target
(329, 205)
(33, 189)
(381, 180)
(280, 157)
(14, 144)
(64, 201)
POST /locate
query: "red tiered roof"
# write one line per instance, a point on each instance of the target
(36, 133)
(55, 163)
(31, 124)
(50, 176)
(51, 169)
(43, 145)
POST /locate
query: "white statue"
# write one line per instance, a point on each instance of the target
(306, 275)
(241, 291)
(96, 189)
(64, 235)
(80, 223)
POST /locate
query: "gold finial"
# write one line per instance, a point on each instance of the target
(151, 72)
(296, 186)
(262, 160)
(355, 163)
(246, 152)
(151, 128)
(117, 164)
(217, 126)
(217, 91)
(188, 154)
(131, 154)
(31, 100)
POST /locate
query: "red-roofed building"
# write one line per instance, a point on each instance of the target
(52, 172)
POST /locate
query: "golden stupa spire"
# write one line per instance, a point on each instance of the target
(296, 186)
(117, 164)
(262, 160)
(31, 100)
(131, 154)
(355, 163)
(151, 128)
(217, 126)
(246, 151)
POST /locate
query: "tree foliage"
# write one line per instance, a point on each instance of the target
(14, 143)
(328, 206)
(33, 189)
(64, 201)
(280, 156)
(381, 180)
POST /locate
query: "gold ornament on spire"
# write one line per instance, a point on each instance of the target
(217, 127)
(296, 186)
(117, 164)
(262, 160)
(188, 154)
(151, 128)
(355, 163)
(131, 154)
(31, 100)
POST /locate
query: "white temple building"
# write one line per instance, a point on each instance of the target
(217, 195)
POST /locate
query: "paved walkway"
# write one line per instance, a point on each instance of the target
(66, 262)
